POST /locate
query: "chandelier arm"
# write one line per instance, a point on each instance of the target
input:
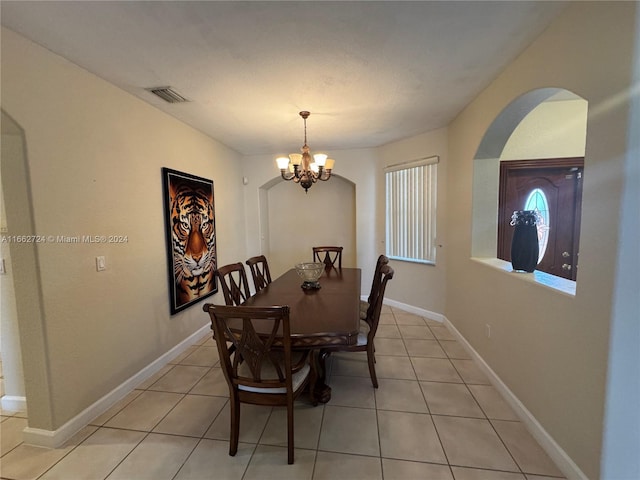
(323, 174)
(295, 175)
(288, 177)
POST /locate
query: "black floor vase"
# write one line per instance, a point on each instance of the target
(524, 246)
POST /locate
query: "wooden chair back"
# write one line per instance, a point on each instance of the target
(254, 346)
(253, 331)
(330, 256)
(372, 318)
(259, 272)
(233, 281)
(382, 260)
(376, 298)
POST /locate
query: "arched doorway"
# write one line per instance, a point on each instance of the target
(553, 189)
(13, 156)
(293, 221)
(30, 344)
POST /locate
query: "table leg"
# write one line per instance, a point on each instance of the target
(322, 392)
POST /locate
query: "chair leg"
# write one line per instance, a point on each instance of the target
(290, 431)
(234, 406)
(313, 379)
(371, 359)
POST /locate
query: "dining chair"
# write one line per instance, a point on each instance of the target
(328, 255)
(266, 374)
(259, 271)
(367, 334)
(233, 280)
(364, 304)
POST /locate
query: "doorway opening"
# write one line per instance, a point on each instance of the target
(553, 188)
(326, 216)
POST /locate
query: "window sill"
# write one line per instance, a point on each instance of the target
(412, 260)
(559, 284)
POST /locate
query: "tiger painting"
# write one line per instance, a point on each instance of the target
(193, 240)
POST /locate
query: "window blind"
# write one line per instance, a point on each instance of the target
(411, 210)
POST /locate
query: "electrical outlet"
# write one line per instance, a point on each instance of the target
(488, 330)
(101, 264)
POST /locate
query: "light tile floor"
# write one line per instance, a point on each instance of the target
(434, 416)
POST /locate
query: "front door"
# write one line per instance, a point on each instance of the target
(553, 187)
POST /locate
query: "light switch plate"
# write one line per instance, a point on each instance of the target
(101, 264)
(3, 271)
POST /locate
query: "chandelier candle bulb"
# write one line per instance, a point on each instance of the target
(320, 159)
(283, 163)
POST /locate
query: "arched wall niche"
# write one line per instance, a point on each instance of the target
(292, 221)
(524, 129)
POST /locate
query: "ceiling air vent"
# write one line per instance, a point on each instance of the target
(168, 94)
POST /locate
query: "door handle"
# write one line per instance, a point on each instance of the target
(566, 266)
(566, 254)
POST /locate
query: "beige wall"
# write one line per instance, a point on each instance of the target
(549, 348)
(94, 158)
(554, 129)
(418, 285)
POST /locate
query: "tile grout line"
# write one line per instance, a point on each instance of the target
(315, 458)
(375, 406)
(424, 395)
(486, 416)
(317, 443)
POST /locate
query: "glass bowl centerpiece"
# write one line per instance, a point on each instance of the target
(310, 273)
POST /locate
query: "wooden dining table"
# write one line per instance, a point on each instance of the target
(321, 320)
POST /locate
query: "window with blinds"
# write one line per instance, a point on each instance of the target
(411, 210)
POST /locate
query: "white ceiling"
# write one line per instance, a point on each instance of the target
(369, 72)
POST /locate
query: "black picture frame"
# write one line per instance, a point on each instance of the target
(189, 213)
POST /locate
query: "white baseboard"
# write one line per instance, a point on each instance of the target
(57, 438)
(438, 317)
(13, 403)
(548, 444)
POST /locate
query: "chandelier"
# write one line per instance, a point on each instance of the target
(301, 169)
